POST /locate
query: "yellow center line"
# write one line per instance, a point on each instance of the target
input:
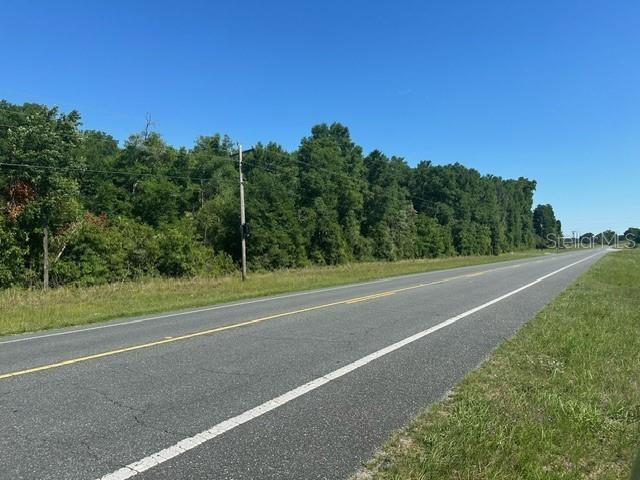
(167, 340)
(477, 274)
(370, 297)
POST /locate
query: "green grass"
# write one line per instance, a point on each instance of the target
(560, 400)
(31, 310)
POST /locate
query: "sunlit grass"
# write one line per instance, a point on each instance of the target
(560, 400)
(31, 310)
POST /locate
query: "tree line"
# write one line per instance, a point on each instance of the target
(115, 213)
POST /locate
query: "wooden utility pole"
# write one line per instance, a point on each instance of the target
(45, 249)
(243, 225)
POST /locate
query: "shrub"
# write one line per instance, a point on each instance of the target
(107, 251)
(11, 257)
(433, 239)
(179, 252)
(97, 251)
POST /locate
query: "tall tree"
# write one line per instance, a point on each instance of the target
(332, 191)
(45, 192)
(389, 219)
(272, 195)
(545, 225)
(218, 219)
(147, 208)
(632, 234)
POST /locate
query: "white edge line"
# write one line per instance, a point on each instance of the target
(248, 302)
(190, 443)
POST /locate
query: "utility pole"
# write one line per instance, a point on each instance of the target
(243, 225)
(45, 249)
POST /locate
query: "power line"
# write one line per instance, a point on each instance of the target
(102, 172)
(131, 174)
(274, 168)
(299, 162)
(295, 160)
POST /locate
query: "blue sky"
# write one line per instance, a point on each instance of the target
(544, 89)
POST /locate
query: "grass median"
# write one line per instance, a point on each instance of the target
(32, 310)
(561, 399)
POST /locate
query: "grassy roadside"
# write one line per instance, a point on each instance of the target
(32, 310)
(561, 399)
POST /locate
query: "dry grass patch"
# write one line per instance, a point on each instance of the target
(31, 310)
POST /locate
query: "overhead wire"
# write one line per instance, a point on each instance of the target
(101, 172)
(274, 168)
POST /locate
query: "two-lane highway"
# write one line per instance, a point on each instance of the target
(304, 385)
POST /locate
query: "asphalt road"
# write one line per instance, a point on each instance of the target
(295, 386)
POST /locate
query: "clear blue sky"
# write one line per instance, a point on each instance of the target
(544, 89)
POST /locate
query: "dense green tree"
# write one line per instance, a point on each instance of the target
(157, 201)
(332, 191)
(607, 237)
(389, 218)
(516, 198)
(12, 256)
(632, 234)
(44, 194)
(217, 218)
(432, 238)
(586, 239)
(146, 208)
(91, 252)
(545, 225)
(485, 214)
(272, 195)
(98, 190)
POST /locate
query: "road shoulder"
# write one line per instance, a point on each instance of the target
(561, 398)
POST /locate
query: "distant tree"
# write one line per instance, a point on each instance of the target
(633, 234)
(516, 198)
(545, 225)
(607, 237)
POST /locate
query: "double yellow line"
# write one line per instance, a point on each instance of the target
(247, 323)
